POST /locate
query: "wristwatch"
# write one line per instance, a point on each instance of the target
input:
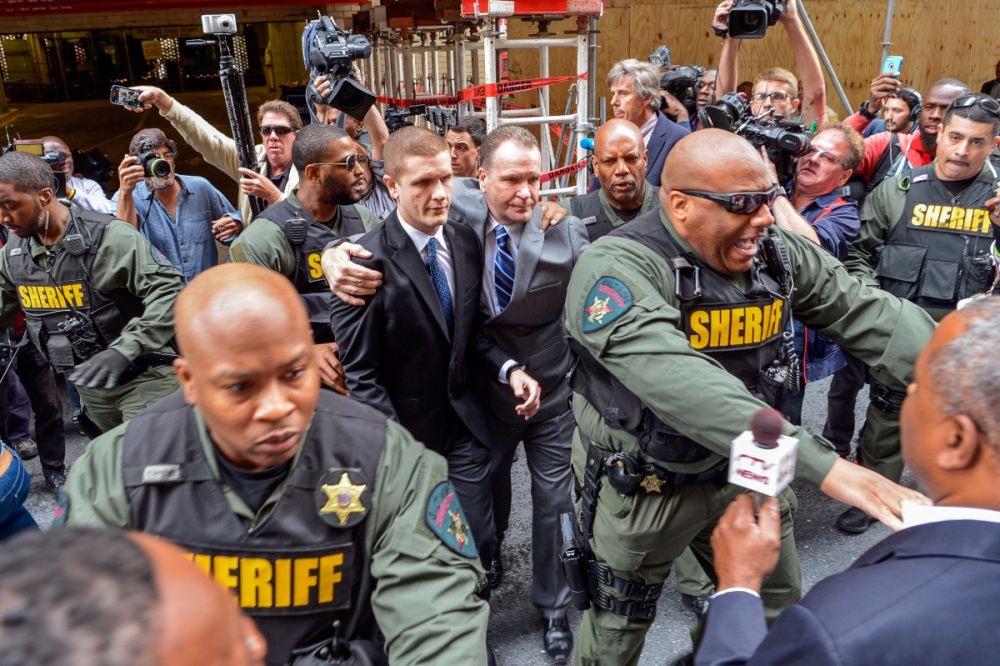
(863, 110)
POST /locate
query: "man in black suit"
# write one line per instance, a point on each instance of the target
(406, 351)
(635, 96)
(929, 594)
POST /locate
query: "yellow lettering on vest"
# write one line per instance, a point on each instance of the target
(720, 328)
(981, 222)
(699, 332)
(66, 292)
(78, 290)
(282, 583)
(329, 576)
(736, 334)
(918, 215)
(43, 297)
(305, 579)
(255, 583)
(946, 212)
(315, 266)
(931, 216)
(755, 333)
(57, 293)
(960, 219)
(24, 295)
(204, 562)
(224, 571)
(775, 318)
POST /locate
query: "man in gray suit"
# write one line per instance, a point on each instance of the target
(525, 276)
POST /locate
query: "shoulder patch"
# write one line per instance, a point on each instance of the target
(447, 521)
(159, 257)
(607, 300)
(340, 498)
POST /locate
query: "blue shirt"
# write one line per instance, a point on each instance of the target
(186, 242)
(836, 222)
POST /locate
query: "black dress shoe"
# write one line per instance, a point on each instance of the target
(684, 660)
(495, 574)
(55, 479)
(558, 639)
(697, 605)
(854, 521)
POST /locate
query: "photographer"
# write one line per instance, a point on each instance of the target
(776, 89)
(279, 121)
(84, 192)
(182, 217)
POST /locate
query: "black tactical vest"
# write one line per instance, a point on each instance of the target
(742, 330)
(308, 238)
(297, 571)
(67, 318)
(598, 215)
(937, 253)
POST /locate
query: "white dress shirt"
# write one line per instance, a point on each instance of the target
(420, 240)
(921, 514)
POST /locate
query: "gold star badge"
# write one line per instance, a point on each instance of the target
(651, 484)
(343, 498)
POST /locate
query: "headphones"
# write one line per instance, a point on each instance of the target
(913, 100)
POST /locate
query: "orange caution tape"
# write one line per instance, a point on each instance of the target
(483, 91)
(564, 171)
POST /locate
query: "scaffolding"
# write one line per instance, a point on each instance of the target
(424, 63)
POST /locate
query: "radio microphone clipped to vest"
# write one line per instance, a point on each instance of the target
(762, 459)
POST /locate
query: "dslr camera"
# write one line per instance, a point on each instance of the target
(54, 158)
(750, 19)
(153, 166)
(784, 140)
(332, 53)
(682, 82)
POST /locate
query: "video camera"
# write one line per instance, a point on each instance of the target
(750, 19)
(153, 166)
(682, 82)
(331, 53)
(784, 140)
(396, 117)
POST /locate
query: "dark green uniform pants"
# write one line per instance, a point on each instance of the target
(108, 408)
(640, 535)
(878, 446)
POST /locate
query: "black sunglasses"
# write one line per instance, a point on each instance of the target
(986, 102)
(280, 130)
(349, 164)
(740, 203)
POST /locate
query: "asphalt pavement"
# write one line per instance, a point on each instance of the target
(515, 627)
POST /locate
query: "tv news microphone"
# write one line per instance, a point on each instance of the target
(587, 143)
(762, 459)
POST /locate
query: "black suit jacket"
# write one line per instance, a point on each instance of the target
(397, 351)
(665, 134)
(927, 595)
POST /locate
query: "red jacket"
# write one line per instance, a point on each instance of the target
(911, 144)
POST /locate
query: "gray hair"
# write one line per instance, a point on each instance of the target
(966, 372)
(645, 76)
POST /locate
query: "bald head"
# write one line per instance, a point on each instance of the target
(707, 160)
(233, 304)
(616, 129)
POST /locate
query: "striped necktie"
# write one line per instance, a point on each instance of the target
(440, 283)
(503, 268)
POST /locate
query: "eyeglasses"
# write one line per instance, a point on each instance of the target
(825, 156)
(740, 203)
(166, 156)
(776, 96)
(986, 102)
(280, 130)
(349, 164)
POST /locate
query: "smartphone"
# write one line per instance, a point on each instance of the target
(127, 97)
(892, 64)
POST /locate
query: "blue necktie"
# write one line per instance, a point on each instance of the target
(503, 268)
(440, 282)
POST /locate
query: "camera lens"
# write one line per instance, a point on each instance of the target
(158, 168)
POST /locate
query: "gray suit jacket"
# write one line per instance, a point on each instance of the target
(531, 328)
